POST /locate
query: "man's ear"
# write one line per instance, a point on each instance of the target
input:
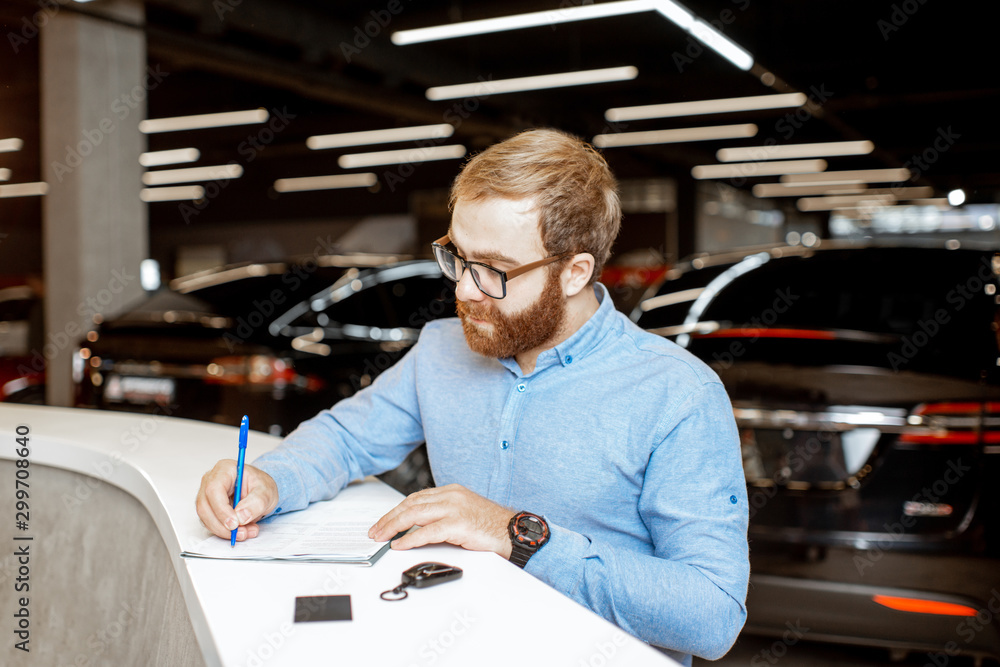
(576, 275)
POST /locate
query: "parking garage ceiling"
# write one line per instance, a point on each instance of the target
(917, 78)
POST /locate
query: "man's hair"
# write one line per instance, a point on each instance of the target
(575, 193)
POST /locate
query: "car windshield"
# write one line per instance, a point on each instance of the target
(903, 309)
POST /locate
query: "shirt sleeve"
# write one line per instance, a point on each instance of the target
(689, 595)
(365, 434)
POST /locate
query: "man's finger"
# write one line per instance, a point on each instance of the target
(403, 518)
(432, 533)
(208, 517)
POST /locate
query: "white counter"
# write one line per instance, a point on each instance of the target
(241, 612)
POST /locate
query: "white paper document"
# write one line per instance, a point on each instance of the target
(329, 531)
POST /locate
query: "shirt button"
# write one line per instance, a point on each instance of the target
(521, 387)
(504, 445)
(732, 499)
(569, 358)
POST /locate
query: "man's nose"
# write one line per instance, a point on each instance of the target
(466, 289)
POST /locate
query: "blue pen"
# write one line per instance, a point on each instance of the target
(244, 429)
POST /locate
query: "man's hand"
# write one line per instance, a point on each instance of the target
(450, 514)
(258, 498)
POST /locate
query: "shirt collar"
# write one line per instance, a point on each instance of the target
(576, 347)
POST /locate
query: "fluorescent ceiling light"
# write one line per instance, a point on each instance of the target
(866, 175)
(831, 183)
(10, 145)
(439, 131)
(955, 197)
(519, 21)
(826, 149)
(201, 121)
(781, 190)
(701, 30)
(876, 197)
(175, 156)
(308, 183)
(404, 156)
(754, 169)
(839, 201)
(180, 193)
(675, 136)
(940, 202)
(541, 82)
(674, 12)
(903, 193)
(721, 44)
(23, 190)
(5, 174)
(218, 173)
(699, 107)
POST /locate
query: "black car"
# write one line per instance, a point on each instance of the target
(277, 341)
(865, 382)
(22, 343)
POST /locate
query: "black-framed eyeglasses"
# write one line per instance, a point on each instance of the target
(490, 281)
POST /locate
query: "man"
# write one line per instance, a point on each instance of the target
(602, 459)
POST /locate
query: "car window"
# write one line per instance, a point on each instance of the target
(922, 310)
(403, 296)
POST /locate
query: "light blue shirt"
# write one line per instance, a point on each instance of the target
(622, 440)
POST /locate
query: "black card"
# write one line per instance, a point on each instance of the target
(323, 608)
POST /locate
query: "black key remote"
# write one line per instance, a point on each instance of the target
(430, 574)
(423, 575)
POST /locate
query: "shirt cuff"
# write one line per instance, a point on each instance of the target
(558, 562)
(286, 479)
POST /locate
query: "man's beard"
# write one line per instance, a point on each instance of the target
(511, 335)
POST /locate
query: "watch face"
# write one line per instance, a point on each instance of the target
(530, 529)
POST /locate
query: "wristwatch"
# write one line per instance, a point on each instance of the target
(528, 533)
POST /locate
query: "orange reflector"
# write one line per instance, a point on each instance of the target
(919, 606)
(756, 332)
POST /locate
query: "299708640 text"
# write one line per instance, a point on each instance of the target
(22, 546)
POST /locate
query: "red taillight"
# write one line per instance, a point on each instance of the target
(920, 606)
(257, 370)
(954, 423)
(757, 332)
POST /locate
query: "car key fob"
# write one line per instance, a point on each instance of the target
(430, 574)
(422, 575)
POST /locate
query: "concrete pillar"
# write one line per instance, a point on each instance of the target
(94, 83)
